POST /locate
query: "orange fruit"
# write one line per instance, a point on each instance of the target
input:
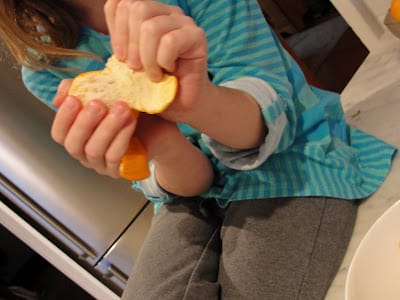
(395, 10)
(118, 82)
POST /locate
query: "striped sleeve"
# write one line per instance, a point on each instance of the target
(42, 84)
(241, 44)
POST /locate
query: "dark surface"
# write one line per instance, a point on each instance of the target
(25, 275)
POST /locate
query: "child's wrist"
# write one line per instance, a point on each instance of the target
(203, 108)
(167, 145)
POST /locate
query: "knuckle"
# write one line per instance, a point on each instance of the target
(198, 31)
(139, 7)
(72, 149)
(177, 10)
(55, 136)
(188, 20)
(92, 154)
(112, 159)
(169, 40)
(150, 27)
(123, 5)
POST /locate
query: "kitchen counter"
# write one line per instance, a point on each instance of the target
(367, 19)
(371, 102)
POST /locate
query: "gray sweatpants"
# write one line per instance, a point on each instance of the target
(286, 248)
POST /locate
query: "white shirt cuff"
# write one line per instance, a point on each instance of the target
(249, 159)
(151, 189)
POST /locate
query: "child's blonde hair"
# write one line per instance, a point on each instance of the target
(38, 32)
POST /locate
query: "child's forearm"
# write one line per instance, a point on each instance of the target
(181, 168)
(229, 116)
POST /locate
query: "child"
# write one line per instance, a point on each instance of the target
(254, 172)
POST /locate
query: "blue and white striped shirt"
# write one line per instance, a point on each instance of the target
(309, 149)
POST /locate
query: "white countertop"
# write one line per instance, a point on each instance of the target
(372, 103)
(367, 19)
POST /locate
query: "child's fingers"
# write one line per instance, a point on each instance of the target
(109, 11)
(103, 136)
(118, 148)
(62, 92)
(83, 127)
(120, 16)
(187, 43)
(141, 11)
(130, 21)
(111, 161)
(64, 119)
(129, 16)
(152, 32)
(120, 31)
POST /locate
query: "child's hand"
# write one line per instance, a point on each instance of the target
(99, 137)
(155, 37)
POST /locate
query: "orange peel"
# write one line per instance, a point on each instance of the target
(119, 82)
(134, 163)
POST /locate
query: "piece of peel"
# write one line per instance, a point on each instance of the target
(134, 163)
(395, 10)
(117, 82)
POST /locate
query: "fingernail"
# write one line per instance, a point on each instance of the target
(120, 53)
(155, 74)
(118, 110)
(94, 108)
(131, 120)
(135, 64)
(70, 103)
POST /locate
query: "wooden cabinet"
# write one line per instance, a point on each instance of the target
(291, 16)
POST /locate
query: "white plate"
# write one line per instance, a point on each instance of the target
(374, 271)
